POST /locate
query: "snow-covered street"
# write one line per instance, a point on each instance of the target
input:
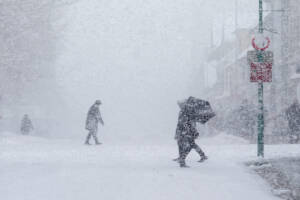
(146, 81)
(34, 169)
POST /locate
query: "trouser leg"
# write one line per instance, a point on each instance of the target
(87, 140)
(197, 149)
(179, 148)
(94, 134)
(185, 149)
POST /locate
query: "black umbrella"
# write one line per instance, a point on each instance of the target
(197, 109)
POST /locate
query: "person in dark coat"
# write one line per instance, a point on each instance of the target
(92, 120)
(186, 133)
(293, 117)
(26, 125)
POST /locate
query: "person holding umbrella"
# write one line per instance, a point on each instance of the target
(192, 111)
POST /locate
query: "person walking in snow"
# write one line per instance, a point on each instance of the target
(92, 120)
(186, 133)
(26, 125)
(293, 117)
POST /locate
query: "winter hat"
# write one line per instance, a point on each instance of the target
(98, 102)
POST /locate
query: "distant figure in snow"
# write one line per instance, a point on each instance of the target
(186, 133)
(293, 117)
(92, 120)
(26, 125)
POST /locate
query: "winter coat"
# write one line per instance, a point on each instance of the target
(93, 118)
(186, 128)
(26, 125)
(293, 116)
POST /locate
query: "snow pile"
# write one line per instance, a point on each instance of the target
(283, 175)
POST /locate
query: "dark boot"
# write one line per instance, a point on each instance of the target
(183, 165)
(181, 161)
(96, 140)
(203, 158)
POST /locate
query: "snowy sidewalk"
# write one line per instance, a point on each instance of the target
(38, 169)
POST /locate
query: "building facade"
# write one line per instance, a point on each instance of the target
(282, 26)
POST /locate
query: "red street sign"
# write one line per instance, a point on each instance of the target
(264, 47)
(261, 72)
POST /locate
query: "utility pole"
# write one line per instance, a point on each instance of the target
(260, 62)
(260, 138)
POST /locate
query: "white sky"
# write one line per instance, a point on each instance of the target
(139, 57)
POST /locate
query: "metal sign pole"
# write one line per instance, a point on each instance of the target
(260, 138)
